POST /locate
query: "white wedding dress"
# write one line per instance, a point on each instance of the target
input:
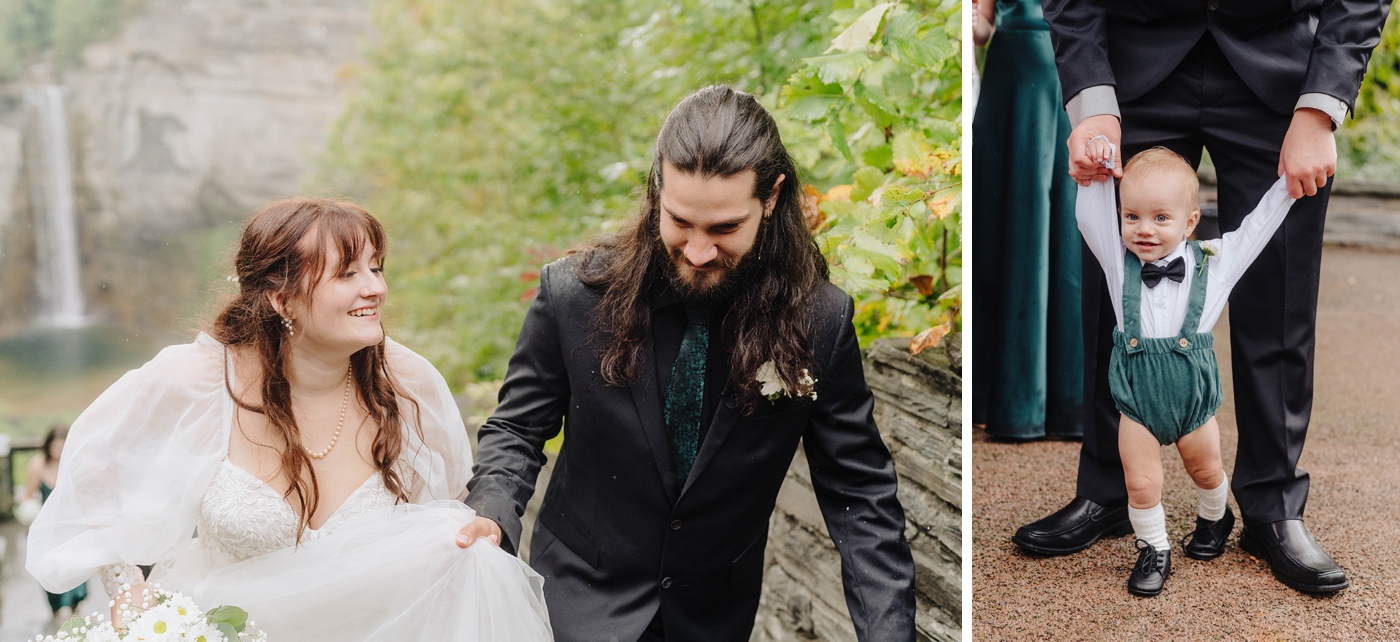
(146, 467)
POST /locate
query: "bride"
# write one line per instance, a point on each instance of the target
(293, 462)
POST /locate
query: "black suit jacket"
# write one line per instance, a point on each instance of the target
(617, 538)
(1281, 48)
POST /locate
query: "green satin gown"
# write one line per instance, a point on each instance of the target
(1028, 354)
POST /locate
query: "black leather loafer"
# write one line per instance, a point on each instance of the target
(1151, 571)
(1208, 541)
(1295, 558)
(1073, 528)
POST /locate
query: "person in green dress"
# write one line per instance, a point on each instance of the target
(39, 479)
(1027, 342)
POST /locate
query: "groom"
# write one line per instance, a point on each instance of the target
(652, 349)
(1261, 86)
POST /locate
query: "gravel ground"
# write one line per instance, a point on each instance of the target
(1352, 454)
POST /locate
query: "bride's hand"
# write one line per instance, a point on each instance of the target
(118, 601)
(479, 527)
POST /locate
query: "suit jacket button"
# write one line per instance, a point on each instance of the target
(1213, 5)
(676, 525)
(666, 583)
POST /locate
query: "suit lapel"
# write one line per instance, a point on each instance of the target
(727, 413)
(646, 396)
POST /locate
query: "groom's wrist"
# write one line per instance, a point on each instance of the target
(1099, 100)
(1335, 108)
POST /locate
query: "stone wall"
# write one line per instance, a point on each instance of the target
(918, 406)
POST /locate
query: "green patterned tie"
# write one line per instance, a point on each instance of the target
(685, 394)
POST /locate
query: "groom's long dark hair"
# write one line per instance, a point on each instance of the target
(716, 132)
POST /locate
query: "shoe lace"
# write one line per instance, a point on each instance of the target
(1203, 531)
(1149, 558)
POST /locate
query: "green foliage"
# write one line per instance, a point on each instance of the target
(892, 78)
(491, 137)
(1366, 146)
(231, 620)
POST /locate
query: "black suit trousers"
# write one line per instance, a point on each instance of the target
(1204, 103)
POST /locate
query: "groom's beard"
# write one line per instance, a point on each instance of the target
(713, 288)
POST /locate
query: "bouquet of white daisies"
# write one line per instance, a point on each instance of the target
(163, 616)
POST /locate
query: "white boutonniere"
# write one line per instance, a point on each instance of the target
(773, 388)
(1208, 252)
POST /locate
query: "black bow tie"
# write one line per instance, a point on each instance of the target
(1152, 273)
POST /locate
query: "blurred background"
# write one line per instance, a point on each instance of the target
(137, 135)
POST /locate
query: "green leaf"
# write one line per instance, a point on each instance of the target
(839, 68)
(876, 105)
(901, 194)
(878, 261)
(857, 266)
(905, 24)
(809, 99)
(863, 30)
(838, 136)
(920, 52)
(898, 84)
(71, 627)
(231, 615)
(954, 293)
(879, 156)
(812, 108)
(227, 629)
(866, 180)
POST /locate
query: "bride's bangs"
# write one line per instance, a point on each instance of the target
(346, 227)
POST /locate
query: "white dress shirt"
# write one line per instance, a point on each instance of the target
(1163, 308)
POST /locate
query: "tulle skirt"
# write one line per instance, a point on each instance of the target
(392, 575)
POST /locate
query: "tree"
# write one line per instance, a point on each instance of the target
(493, 136)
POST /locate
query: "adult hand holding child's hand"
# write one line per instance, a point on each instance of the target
(1085, 164)
(1309, 154)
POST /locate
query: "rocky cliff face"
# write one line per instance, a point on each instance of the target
(197, 113)
(918, 407)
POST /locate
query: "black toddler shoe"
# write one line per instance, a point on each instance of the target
(1151, 571)
(1073, 528)
(1295, 558)
(1208, 542)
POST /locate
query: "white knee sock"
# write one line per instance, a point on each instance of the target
(1150, 525)
(1213, 501)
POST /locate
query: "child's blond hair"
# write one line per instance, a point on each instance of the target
(1159, 160)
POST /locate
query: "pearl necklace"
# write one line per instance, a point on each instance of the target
(344, 403)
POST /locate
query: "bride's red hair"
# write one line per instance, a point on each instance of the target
(283, 253)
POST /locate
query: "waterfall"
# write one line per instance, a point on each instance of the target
(51, 195)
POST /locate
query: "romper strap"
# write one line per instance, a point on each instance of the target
(1132, 294)
(1192, 324)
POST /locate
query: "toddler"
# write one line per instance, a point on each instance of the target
(1167, 293)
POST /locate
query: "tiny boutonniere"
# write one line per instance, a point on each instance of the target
(1208, 251)
(773, 387)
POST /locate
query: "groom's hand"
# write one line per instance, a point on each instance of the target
(1083, 167)
(1309, 153)
(479, 527)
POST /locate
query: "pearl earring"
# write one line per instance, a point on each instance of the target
(287, 321)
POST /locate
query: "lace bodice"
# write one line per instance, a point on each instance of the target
(242, 517)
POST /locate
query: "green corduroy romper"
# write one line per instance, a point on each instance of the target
(1171, 385)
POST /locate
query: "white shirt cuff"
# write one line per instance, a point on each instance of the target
(1334, 108)
(1093, 101)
